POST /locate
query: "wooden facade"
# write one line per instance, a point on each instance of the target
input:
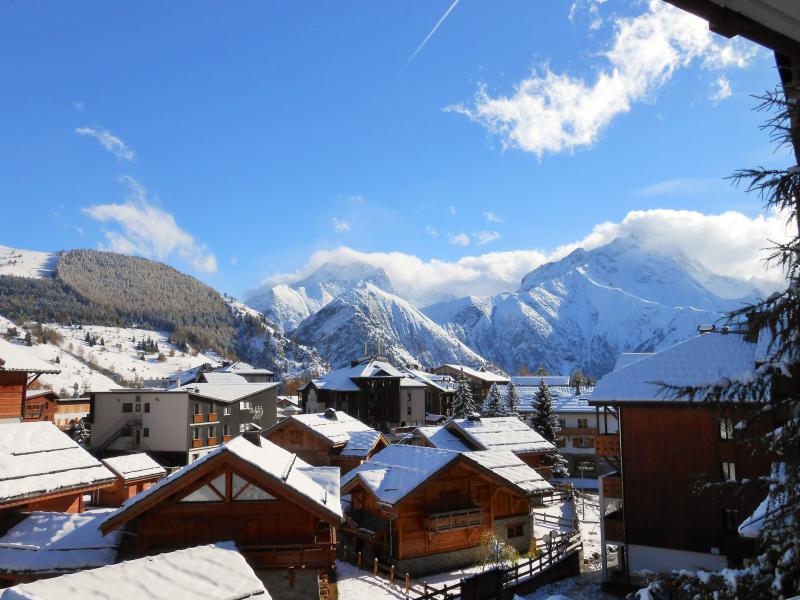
(13, 386)
(227, 498)
(122, 490)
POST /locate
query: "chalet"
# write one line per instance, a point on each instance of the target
(488, 433)
(134, 472)
(213, 572)
(280, 511)
(19, 368)
(178, 425)
(424, 509)
(48, 544)
(480, 380)
(288, 406)
(41, 468)
(439, 392)
(70, 411)
(330, 438)
(46, 405)
(371, 390)
(250, 373)
(654, 517)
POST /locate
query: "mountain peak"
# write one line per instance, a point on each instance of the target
(342, 275)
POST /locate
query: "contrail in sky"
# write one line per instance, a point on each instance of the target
(430, 35)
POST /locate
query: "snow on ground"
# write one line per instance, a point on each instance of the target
(355, 584)
(26, 263)
(587, 506)
(581, 587)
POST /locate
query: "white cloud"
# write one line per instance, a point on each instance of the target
(729, 244)
(552, 113)
(78, 105)
(109, 141)
(149, 231)
(234, 260)
(680, 187)
(485, 237)
(432, 231)
(492, 217)
(340, 226)
(452, 210)
(358, 199)
(723, 90)
(459, 239)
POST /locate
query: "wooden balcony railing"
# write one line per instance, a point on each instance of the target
(212, 417)
(587, 431)
(615, 527)
(608, 445)
(197, 443)
(612, 485)
(456, 519)
(300, 556)
(199, 419)
(225, 438)
(212, 441)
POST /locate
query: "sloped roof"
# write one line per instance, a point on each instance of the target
(243, 368)
(52, 542)
(550, 380)
(526, 395)
(37, 458)
(224, 392)
(134, 466)
(573, 404)
(508, 466)
(500, 433)
(16, 357)
(341, 380)
(444, 383)
(483, 375)
(440, 437)
(223, 378)
(702, 360)
(213, 572)
(339, 429)
(628, 358)
(273, 461)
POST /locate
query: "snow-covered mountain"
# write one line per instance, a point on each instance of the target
(370, 314)
(287, 305)
(585, 309)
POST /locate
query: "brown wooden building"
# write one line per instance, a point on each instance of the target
(655, 513)
(280, 511)
(135, 473)
(424, 509)
(19, 367)
(480, 380)
(330, 438)
(41, 468)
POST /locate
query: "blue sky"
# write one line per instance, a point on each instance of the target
(235, 140)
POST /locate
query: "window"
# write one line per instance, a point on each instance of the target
(582, 442)
(196, 433)
(731, 519)
(127, 407)
(726, 428)
(225, 429)
(197, 409)
(138, 398)
(226, 411)
(145, 432)
(212, 431)
(515, 530)
(408, 403)
(583, 423)
(561, 442)
(245, 405)
(138, 408)
(729, 471)
(242, 427)
(147, 407)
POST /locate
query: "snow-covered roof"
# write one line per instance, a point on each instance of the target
(573, 404)
(52, 542)
(628, 358)
(17, 357)
(526, 395)
(499, 433)
(444, 383)
(397, 470)
(243, 368)
(295, 400)
(702, 360)
(224, 392)
(550, 380)
(411, 382)
(440, 437)
(341, 380)
(478, 374)
(339, 429)
(271, 460)
(37, 458)
(134, 466)
(223, 378)
(32, 394)
(213, 572)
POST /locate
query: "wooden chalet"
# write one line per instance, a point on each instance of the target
(424, 509)
(134, 472)
(330, 438)
(280, 511)
(664, 448)
(46, 405)
(488, 433)
(213, 572)
(480, 380)
(41, 468)
(19, 368)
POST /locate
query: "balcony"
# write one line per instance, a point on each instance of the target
(608, 445)
(212, 441)
(198, 419)
(456, 519)
(311, 555)
(615, 527)
(584, 431)
(198, 443)
(212, 417)
(225, 438)
(612, 485)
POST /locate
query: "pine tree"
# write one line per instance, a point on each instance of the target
(545, 423)
(494, 405)
(463, 405)
(28, 339)
(512, 399)
(541, 371)
(770, 392)
(577, 380)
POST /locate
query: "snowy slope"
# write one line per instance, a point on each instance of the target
(26, 263)
(584, 310)
(369, 314)
(287, 305)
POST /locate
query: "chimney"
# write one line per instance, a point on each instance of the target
(705, 328)
(252, 434)
(474, 417)
(330, 414)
